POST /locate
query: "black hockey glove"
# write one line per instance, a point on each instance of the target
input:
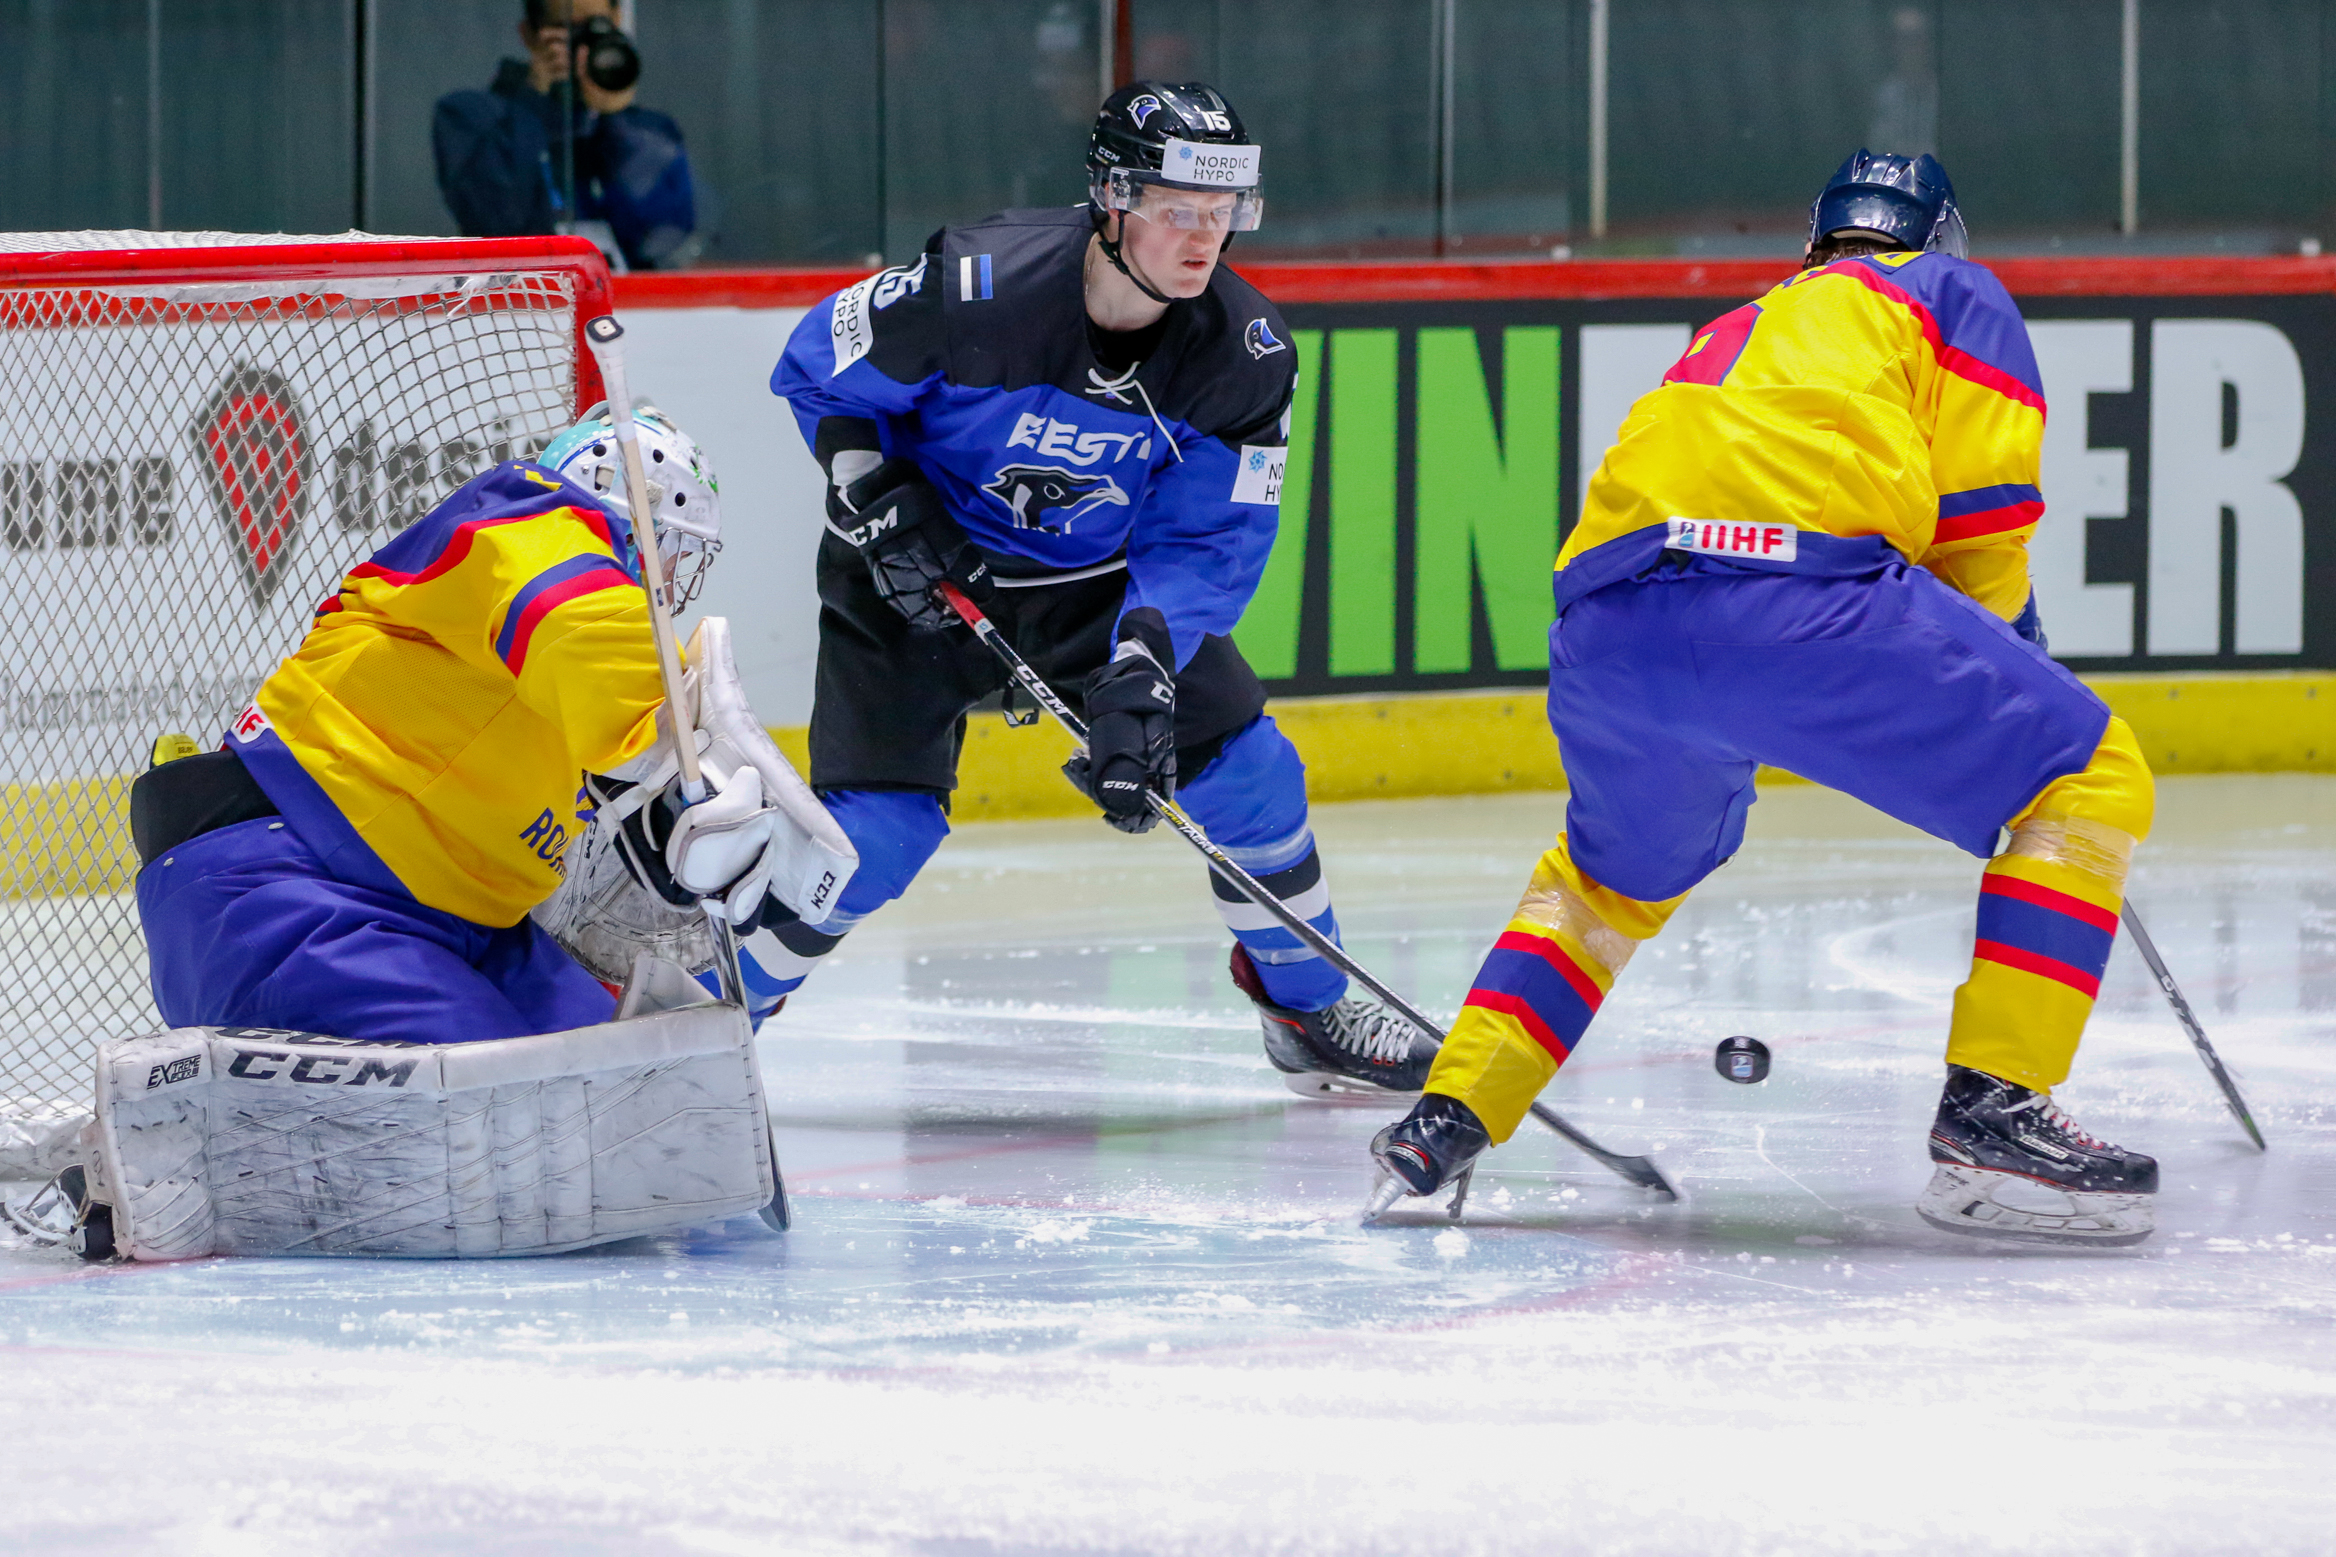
(1131, 725)
(902, 527)
(2029, 624)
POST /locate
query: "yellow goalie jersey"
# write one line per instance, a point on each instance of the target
(1891, 400)
(429, 734)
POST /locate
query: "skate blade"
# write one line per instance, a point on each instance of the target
(1385, 1191)
(1460, 1193)
(1326, 1086)
(1967, 1200)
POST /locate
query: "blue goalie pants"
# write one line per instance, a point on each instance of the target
(246, 928)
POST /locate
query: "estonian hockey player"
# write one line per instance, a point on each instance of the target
(1808, 547)
(349, 879)
(1079, 416)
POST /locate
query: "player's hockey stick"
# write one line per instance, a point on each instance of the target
(604, 334)
(1639, 1170)
(2214, 1066)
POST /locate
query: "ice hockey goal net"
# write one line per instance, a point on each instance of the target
(199, 432)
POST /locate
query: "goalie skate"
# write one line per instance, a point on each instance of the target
(2012, 1165)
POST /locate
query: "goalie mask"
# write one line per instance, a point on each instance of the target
(679, 479)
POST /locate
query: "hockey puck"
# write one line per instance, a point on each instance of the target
(1742, 1060)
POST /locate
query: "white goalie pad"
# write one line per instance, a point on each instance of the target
(221, 1140)
(605, 918)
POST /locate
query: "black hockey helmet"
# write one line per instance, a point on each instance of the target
(1151, 134)
(1908, 199)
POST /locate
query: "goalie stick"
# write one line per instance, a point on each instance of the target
(2214, 1066)
(605, 336)
(1638, 1170)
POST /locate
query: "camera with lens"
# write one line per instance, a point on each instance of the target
(611, 63)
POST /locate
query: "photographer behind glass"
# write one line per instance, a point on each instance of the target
(557, 145)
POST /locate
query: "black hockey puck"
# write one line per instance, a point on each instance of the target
(1742, 1060)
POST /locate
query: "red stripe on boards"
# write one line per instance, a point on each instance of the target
(1553, 954)
(2045, 897)
(553, 598)
(1525, 1016)
(2043, 967)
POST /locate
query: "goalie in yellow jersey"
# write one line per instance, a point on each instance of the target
(360, 856)
(1808, 547)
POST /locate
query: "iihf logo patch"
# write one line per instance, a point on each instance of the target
(1258, 337)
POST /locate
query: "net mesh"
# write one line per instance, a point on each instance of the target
(187, 466)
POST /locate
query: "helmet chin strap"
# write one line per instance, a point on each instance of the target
(1111, 252)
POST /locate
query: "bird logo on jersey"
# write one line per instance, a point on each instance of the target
(1050, 498)
(1260, 341)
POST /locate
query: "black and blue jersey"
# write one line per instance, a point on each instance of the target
(977, 362)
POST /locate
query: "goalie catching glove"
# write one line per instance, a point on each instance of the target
(1131, 725)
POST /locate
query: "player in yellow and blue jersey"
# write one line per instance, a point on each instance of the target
(1808, 548)
(359, 857)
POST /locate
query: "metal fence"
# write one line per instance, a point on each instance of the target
(829, 130)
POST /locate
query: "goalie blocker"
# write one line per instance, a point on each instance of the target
(225, 1140)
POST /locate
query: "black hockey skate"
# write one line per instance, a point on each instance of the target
(2011, 1165)
(1437, 1143)
(1356, 1048)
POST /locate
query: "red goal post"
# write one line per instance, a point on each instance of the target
(199, 433)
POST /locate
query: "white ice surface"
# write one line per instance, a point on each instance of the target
(1072, 1273)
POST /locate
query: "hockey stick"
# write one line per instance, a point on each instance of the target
(605, 333)
(1639, 1170)
(2214, 1066)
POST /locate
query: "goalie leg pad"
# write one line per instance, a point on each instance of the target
(251, 1141)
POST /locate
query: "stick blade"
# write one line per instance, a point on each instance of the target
(1643, 1172)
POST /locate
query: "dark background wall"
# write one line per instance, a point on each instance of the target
(829, 130)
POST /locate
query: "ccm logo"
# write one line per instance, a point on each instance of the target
(820, 892)
(863, 534)
(323, 1069)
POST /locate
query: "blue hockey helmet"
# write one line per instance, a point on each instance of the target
(1908, 199)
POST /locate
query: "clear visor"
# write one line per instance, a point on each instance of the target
(1186, 210)
(1948, 237)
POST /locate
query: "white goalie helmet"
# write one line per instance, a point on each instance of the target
(679, 478)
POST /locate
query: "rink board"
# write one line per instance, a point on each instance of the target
(2187, 567)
